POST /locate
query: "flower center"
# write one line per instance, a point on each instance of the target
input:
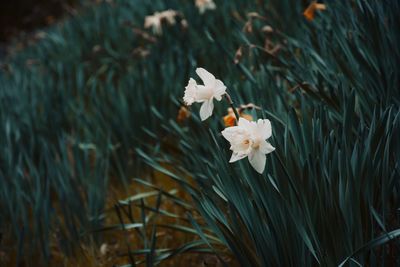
(247, 144)
(209, 92)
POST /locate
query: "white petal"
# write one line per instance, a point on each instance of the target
(206, 109)
(203, 93)
(219, 90)
(211, 5)
(257, 160)
(169, 16)
(154, 21)
(264, 129)
(190, 92)
(236, 157)
(244, 123)
(230, 132)
(207, 78)
(203, 5)
(266, 147)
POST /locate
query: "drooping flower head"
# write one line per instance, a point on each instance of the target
(155, 21)
(169, 16)
(206, 93)
(248, 139)
(183, 114)
(204, 5)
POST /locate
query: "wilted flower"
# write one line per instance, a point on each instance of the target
(183, 114)
(104, 249)
(212, 89)
(267, 29)
(238, 55)
(184, 24)
(309, 13)
(230, 118)
(155, 21)
(203, 5)
(169, 15)
(248, 139)
(96, 49)
(140, 52)
(40, 35)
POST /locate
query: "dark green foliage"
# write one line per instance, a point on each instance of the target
(332, 185)
(75, 105)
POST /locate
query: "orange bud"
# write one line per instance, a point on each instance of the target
(183, 114)
(309, 13)
(230, 118)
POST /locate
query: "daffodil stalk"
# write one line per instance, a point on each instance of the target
(229, 99)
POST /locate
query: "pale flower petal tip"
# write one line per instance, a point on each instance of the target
(204, 5)
(155, 21)
(190, 92)
(236, 156)
(207, 78)
(206, 109)
(257, 160)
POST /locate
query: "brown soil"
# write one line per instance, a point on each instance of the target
(21, 16)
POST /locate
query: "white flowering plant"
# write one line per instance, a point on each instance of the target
(86, 94)
(247, 138)
(326, 194)
(211, 89)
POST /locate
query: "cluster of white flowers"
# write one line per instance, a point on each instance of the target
(155, 21)
(204, 5)
(248, 138)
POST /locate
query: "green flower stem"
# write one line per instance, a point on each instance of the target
(228, 97)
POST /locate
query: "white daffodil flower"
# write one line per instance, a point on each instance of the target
(248, 139)
(155, 21)
(212, 89)
(203, 5)
(169, 15)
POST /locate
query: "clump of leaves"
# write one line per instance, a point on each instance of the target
(73, 104)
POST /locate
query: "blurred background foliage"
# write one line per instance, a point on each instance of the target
(24, 15)
(92, 98)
